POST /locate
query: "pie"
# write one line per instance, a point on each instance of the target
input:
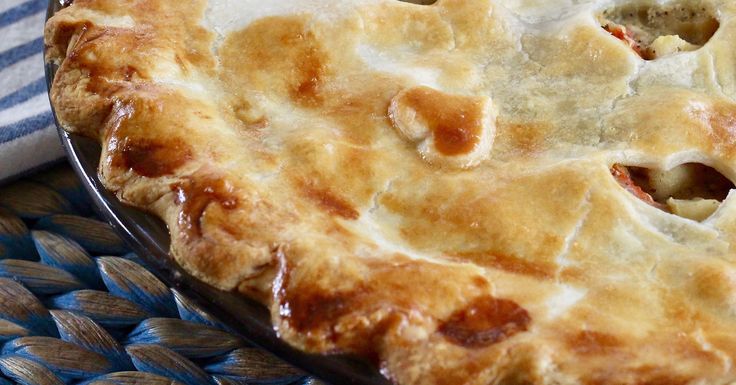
(465, 191)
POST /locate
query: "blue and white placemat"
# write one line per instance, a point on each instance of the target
(28, 138)
(77, 308)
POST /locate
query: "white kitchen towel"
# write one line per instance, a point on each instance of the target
(28, 139)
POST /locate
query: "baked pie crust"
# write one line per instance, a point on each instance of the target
(431, 186)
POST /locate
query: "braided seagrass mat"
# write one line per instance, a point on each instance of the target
(77, 308)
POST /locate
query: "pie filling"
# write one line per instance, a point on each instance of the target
(655, 31)
(690, 190)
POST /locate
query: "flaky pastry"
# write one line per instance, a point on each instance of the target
(469, 192)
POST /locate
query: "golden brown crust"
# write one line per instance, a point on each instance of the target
(426, 185)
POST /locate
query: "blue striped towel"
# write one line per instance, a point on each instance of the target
(28, 139)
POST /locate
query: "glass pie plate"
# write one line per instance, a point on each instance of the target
(149, 237)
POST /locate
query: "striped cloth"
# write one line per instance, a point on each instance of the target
(28, 138)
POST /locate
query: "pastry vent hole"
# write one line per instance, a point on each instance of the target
(654, 31)
(690, 190)
(419, 2)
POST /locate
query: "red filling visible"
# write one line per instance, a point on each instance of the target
(625, 35)
(623, 177)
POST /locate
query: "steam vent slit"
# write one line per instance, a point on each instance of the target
(690, 190)
(419, 2)
(654, 31)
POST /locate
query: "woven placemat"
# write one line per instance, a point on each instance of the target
(76, 307)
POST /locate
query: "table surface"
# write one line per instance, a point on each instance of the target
(76, 307)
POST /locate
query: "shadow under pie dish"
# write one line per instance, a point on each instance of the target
(465, 192)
